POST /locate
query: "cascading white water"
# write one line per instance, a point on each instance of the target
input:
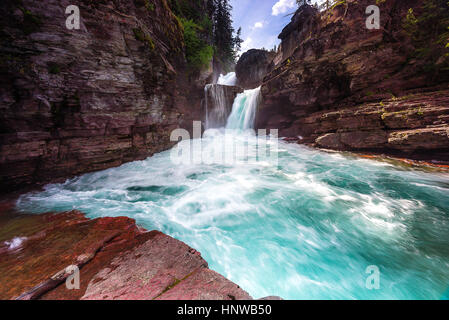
(218, 110)
(229, 79)
(218, 105)
(244, 110)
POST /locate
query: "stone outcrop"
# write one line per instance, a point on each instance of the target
(339, 85)
(414, 126)
(117, 260)
(252, 67)
(74, 101)
(301, 23)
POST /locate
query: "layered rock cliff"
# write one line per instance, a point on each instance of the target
(74, 101)
(338, 84)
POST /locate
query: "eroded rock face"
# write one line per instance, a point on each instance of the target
(161, 268)
(74, 101)
(342, 86)
(252, 67)
(117, 260)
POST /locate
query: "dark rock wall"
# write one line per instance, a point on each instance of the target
(345, 87)
(252, 67)
(299, 28)
(74, 101)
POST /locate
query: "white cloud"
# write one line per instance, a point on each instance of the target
(282, 6)
(258, 25)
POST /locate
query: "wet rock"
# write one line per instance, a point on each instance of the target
(271, 298)
(420, 139)
(117, 260)
(414, 126)
(205, 284)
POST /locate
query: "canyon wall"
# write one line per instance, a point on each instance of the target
(339, 85)
(74, 101)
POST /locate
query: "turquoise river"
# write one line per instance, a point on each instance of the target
(306, 224)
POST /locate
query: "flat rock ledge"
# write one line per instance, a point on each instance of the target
(117, 261)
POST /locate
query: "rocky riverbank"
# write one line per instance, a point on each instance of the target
(116, 258)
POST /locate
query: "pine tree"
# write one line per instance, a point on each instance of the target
(212, 27)
(210, 8)
(224, 33)
(238, 42)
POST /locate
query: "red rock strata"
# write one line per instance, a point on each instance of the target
(117, 260)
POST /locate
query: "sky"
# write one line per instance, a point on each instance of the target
(262, 21)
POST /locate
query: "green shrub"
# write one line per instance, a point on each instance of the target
(149, 6)
(31, 22)
(198, 52)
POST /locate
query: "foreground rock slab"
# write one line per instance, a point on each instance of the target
(117, 261)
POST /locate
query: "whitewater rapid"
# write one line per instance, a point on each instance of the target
(306, 226)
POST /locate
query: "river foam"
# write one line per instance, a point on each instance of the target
(307, 227)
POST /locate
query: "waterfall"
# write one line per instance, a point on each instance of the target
(278, 223)
(244, 110)
(229, 79)
(217, 107)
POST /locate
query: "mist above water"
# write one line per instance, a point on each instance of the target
(229, 79)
